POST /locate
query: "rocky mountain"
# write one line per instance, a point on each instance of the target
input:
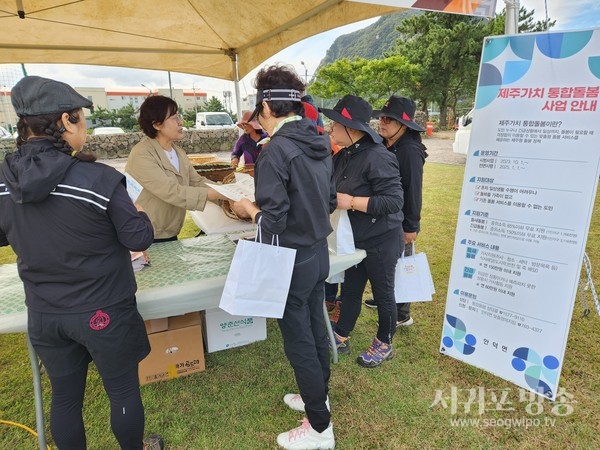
(370, 42)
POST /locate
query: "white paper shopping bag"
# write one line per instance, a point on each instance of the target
(259, 279)
(341, 239)
(414, 282)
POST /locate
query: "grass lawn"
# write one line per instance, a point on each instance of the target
(237, 402)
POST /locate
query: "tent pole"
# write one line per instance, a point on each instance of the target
(511, 20)
(236, 83)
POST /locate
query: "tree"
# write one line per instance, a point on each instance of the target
(526, 23)
(338, 78)
(124, 117)
(374, 80)
(448, 49)
(214, 105)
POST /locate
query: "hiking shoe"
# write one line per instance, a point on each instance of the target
(377, 353)
(335, 313)
(154, 442)
(342, 344)
(306, 438)
(404, 322)
(370, 303)
(295, 402)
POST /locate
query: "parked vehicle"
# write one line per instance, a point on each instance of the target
(107, 130)
(463, 133)
(208, 120)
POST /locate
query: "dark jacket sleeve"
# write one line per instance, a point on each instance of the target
(411, 173)
(386, 187)
(134, 229)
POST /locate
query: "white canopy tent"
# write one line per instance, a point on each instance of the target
(214, 38)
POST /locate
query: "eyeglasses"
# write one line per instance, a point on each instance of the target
(386, 120)
(178, 117)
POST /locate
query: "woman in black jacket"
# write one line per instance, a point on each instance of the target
(72, 225)
(295, 195)
(368, 186)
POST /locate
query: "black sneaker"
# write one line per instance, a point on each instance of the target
(154, 442)
(370, 303)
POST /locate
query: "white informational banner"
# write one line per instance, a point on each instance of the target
(530, 182)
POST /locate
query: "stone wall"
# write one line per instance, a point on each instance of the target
(112, 146)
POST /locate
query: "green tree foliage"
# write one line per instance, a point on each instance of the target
(125, 117)
(374, 80)
(435, 60)
(338, 79)
(448, 48)
(526, 23)
(214, 105)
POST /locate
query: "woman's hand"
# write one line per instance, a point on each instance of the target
(239, 208)
(245, 209)
(344, 201)
(235, 162)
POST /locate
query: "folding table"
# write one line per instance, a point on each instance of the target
(184, 276)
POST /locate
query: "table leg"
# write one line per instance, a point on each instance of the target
(334, 352)
(37, 392)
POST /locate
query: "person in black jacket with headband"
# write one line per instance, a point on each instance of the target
(368, 186)
(295, 194)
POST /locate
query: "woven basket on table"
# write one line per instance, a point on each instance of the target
(201, 158)
(214, 171)
(230, 178)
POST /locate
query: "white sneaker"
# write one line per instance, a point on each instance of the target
(306, 438)
(295, 402)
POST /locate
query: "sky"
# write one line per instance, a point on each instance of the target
(569, 15)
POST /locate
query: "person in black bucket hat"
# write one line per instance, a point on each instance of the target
(369, 188)
(353, 112)
(72, 225)
(401, 109)
(401, 136)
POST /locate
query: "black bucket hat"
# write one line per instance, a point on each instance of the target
(35, 96)
(401, 109)
(353, 112)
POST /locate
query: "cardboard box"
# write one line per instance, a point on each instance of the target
(224, 331)
(174, 354)
(156, 325)
(185, 320)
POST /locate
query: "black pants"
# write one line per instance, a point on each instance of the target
(379, 267)
(126, 410)
(304, 334)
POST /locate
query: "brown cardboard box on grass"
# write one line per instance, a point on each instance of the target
(156, 325)
(175, 353)
(185, 320)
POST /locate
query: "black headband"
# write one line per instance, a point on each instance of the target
(267, 95)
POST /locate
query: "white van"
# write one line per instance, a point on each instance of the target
(208, 120)
(463, 133)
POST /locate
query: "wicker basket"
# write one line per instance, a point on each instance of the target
(201, 158)
(249, 169)
(214, 171)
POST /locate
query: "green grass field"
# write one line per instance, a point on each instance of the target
(237, 402)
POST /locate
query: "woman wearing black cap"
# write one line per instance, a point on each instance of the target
(401, 135)
(295, 195)
(368, 186)
(72, 225)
